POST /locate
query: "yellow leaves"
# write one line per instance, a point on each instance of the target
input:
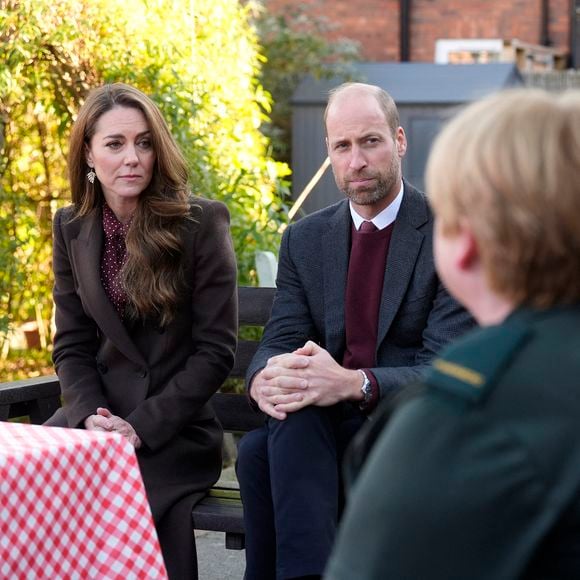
(198, 59)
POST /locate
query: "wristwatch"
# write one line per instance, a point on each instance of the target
(366, 389)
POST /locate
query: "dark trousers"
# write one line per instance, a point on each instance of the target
(177, 541)
(289, 474)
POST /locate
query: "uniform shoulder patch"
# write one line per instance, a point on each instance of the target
(469, 368)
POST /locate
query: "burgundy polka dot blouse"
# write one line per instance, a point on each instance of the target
(114, 252)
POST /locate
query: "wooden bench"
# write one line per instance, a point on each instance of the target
(221, 510)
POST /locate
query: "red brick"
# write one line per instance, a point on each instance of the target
(375, 23)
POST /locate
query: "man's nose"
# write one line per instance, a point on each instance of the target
(357, 159)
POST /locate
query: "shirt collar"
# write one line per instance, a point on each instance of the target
(384, 218)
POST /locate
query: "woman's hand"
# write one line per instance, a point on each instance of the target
(104, 420)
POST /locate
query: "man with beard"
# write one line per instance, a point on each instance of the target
(359, 312)
(478, 476)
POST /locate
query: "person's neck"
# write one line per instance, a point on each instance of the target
(491, 309)
(124, 219)
(123, 211)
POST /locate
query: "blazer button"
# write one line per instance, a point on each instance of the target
(142, 373)
(102, 368)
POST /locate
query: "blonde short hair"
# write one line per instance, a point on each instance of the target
(509, 166)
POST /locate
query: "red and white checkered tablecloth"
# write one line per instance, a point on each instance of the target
(73, 506)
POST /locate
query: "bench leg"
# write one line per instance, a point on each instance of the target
(235, 541)
(43, 409)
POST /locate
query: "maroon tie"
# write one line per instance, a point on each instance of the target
(362, 297)
(367, 227)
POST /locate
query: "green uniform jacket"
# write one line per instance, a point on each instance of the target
(479, 476)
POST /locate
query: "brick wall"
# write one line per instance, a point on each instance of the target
(375, 23)
(505, 19)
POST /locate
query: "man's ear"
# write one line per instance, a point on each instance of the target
(401, 141)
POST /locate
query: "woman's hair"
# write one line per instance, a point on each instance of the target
(509, 167)
(152, 275)
(385, 101)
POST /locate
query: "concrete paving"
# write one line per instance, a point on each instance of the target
(214, 561)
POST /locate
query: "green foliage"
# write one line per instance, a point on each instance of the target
(9, 273)
(42, 78)
(205, 78)
(198, 60)
(226, 98)
(295, 44)
(26, 364)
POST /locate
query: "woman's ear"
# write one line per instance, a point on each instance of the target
(88, 157)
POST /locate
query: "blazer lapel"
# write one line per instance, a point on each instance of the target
(86, 257)
(336, 249)
(406, 242)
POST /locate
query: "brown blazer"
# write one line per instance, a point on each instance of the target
(158, 379)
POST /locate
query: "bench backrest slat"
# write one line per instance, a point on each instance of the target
(244, 355)
(255, 305)
(39, 397)
(235, 413)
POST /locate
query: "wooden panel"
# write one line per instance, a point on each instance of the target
(244, 354)
(255, 305)
(38, 398)
(421, 127)
(308, 154)
(42, 410)
(29, 389)
(235, 412)
(221, 515)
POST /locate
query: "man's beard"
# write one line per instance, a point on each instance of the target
(385, 183)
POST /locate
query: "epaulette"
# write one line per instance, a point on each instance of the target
(470, 367)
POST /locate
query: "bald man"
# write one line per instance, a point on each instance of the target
(359, 313)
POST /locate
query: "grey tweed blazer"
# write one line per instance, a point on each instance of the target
(417, 315)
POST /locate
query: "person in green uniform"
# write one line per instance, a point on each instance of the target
(478, 475)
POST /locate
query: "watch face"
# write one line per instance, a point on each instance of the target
(367, 389)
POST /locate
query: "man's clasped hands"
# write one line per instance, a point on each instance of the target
(307, 376)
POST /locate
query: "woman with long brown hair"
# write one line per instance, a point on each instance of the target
(146, 311)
